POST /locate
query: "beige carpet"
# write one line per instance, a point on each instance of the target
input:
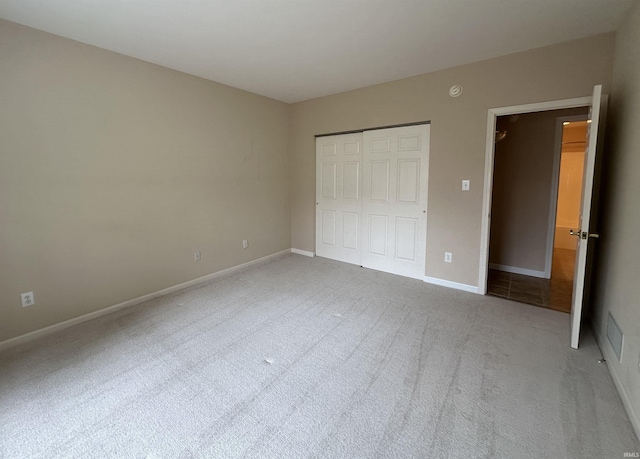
(306, 357)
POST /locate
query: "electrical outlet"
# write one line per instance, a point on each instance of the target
(197, 256)
(448, 257)
(27, 299)
(466, 185)
(245, 244)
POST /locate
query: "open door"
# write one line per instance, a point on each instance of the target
(584, 232)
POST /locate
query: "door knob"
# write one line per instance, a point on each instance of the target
(583, 234)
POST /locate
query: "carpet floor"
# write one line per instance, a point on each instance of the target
(308, 357)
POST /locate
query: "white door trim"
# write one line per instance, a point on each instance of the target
(555, 183)
(492, 115)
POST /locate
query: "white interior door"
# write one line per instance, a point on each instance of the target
(584, 234)
(339, 197)
(395, 173)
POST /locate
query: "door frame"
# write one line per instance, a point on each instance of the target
(492, 116)
(555, 184)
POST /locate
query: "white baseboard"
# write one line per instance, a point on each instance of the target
(451, 284)
(303, 252)
(610, 356)
(516, 270)
(125, 304)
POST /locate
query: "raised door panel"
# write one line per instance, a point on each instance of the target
(379, 180)
(380, 144)
(352, 147)
(378, 235)
(406, 238)
(351, 180)
(328, 233)
(329, 180)
(350, 230)
(409, 142)
(408, 181)
(328, 148)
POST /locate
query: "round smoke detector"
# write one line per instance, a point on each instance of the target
(455, 90)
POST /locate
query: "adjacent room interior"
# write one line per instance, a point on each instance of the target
(264, 229)
(537, 184)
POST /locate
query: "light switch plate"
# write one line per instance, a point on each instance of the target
(466, 185)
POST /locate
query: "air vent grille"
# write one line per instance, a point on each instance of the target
(615, 336)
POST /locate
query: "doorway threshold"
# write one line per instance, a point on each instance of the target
(554, 293)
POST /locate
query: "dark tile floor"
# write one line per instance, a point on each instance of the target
(554, 293)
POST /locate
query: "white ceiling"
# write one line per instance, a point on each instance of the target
(293, 50)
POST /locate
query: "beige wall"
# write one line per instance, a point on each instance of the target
(458, 133)
(618, 263)
(522, 187)
(114, 171)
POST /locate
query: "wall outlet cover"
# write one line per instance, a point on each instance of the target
(27, 299)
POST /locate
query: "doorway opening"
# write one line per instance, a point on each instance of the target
(537, 184)
(587, 231)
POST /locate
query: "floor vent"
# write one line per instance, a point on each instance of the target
(615, 336)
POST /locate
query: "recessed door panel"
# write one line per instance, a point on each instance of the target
(329, 227)
(328, 180)
(380, 145)
(406, 238)
(378, 225)
(409, 143)
(380, 181)
(351, 180)
(329, 149)
(408, 181)
(350, 230)
(352, 147)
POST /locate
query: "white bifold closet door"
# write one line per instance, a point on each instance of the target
(372, 200)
